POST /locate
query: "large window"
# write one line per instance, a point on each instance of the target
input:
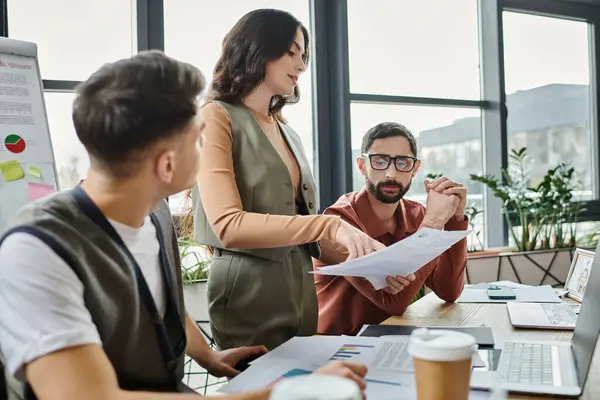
(424, 48)
(197, 40)
(74, 37)
(70, 156)
(420, 69)
(547, 79)
(415, 62)
(72, 44)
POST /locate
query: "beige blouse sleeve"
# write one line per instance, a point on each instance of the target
(223, 206)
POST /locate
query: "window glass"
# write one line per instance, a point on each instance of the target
(74, 37)
(424, 48)
(547, 75)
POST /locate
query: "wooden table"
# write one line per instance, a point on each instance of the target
(431, 311)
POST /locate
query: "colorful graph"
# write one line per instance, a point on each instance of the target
(348, 351)
(290, 374)
(299, 372)
(15, 144)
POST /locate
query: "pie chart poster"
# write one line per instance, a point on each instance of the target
(24, 148)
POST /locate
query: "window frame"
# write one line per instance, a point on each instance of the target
(586, 13)
(333, 98)
(147, 25)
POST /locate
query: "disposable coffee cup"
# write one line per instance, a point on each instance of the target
(316, 387)
(442, 360)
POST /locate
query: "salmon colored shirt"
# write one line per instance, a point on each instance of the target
(235, 226)
(347, 303)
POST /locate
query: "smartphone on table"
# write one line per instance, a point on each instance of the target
(500, 293)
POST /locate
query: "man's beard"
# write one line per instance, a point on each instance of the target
(376, 191)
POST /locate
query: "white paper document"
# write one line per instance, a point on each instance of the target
(388, 361)
(402, 258)
(390, 375)
(533, 294)
(24, 132)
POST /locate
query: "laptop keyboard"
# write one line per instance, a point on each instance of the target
(560, 314)
(528, 363)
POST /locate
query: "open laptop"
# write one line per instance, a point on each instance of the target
(554, 368)
(545, 316)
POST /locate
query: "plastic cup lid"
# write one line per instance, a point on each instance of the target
(316, 387)
(441, 345)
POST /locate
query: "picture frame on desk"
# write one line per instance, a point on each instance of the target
(579, 273)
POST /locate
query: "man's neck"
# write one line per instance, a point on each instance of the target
(127, 202)
(384, 212)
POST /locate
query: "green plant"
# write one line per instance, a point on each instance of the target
(194, 266)
(590, 240)
(546, 216)
(432, 176)
(472, 213)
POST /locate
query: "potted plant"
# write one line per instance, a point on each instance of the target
(195, 265)
(542, 222)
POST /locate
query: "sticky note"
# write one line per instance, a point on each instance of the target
(11, 170)
(39, 190)
(35, 172)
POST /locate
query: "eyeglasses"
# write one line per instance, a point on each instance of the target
(381, 162)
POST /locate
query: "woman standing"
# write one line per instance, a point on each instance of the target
(257, 203)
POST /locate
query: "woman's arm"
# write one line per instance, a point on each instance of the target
(222, 204)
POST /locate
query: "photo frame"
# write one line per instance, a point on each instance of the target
(579, 273)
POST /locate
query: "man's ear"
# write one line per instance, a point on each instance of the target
(360, 163)
(165, 165)
(416, 168)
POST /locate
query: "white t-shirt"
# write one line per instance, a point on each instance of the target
(41, 299)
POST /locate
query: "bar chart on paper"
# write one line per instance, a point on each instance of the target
(383, 355)
(291, 374)
(348, 351)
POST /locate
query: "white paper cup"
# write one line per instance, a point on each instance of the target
(442, 360)
(316, 387)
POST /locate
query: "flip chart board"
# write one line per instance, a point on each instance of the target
(27, 166)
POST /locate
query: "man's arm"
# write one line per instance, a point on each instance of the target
(448, 276)
(84, 372)
(447, 279)
(217, 363)
(394, 304)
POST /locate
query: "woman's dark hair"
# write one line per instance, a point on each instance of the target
(259, 37)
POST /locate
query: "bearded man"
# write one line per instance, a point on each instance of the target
(389, 162)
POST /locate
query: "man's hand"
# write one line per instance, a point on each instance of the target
(440, 208)
(356, 241)
(221, 363)
(346, 369)
(396, 284)
(449, 187)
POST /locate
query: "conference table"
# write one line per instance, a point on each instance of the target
(431, 311)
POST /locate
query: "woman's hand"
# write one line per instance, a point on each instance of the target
(357, 242)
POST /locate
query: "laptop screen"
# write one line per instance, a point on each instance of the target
(588, 323)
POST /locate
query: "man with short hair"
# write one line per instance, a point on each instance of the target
(90, 279)
(388, 161)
